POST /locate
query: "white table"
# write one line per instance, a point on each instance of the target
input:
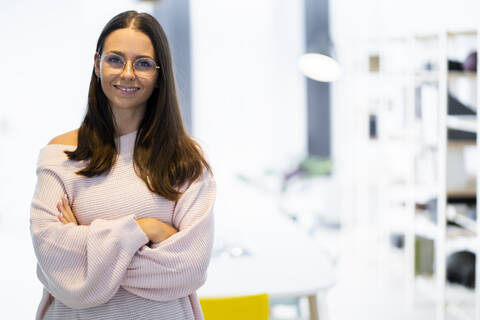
(281, 265)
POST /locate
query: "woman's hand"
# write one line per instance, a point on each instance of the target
(66, 214)
(156, 230)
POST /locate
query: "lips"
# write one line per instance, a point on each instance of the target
(126, 88)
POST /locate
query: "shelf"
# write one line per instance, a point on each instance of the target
(433, 76)
(467, 123)
(402, 37)
(462, 74)
(450, 34)
(416, 140)
(422, 193)
(426, 36)
(425, 193)
(466, 242)
(419, 194)
(462, 193)
(457, 33)
(425, 227)
(457, 238)
(427, 77)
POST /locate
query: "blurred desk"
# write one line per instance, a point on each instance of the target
(277, 271)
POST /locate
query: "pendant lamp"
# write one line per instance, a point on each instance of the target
(319, 67)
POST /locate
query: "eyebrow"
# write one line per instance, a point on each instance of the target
(123, 55)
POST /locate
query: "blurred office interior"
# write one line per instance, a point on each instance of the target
(352, 197)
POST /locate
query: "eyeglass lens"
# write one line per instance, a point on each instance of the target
(143, 66)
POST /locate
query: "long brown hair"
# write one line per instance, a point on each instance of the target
(164, 156)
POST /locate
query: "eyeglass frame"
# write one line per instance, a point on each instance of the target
(126, 60)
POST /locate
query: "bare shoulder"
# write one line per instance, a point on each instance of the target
(67, 138)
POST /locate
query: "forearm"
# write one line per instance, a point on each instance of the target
(175, 267)
(156, 230)
(80, 265)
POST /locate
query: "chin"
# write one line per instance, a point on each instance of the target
(124, 105)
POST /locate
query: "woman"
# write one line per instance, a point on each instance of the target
(132, 234)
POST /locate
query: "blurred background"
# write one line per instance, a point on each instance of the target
(352, 197)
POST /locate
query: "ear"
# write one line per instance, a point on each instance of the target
(96, 61)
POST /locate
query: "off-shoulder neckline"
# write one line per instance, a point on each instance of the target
(126, 142)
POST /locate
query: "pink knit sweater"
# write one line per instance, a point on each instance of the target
(103, 268)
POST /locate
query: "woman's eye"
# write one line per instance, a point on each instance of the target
(114, 59)
(144, 63)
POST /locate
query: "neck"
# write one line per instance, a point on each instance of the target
(127, 120)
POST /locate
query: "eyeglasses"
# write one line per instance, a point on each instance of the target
(142, 67)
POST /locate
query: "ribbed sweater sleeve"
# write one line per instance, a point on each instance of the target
(82, 266)
(177, 266)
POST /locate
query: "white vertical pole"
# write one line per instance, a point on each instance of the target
(410, 185)
(440, 255)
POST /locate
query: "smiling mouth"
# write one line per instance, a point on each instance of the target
(127, 89)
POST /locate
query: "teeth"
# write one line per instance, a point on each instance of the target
(127, 90)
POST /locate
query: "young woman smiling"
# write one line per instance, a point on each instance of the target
(122, 215)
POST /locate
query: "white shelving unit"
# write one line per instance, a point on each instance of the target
(447, 239)
(410, 191)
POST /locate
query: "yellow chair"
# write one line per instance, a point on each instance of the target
(253, 307)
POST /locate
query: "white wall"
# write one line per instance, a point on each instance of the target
(249, 97)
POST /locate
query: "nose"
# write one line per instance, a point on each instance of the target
(128, 71)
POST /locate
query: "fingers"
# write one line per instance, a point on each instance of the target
(68, 211)
(61, 216)
(66, 214)
(62, 219)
